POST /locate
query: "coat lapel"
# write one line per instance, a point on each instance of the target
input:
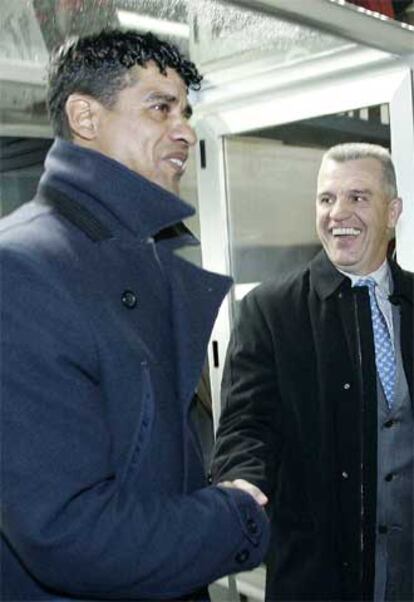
(196, 296)
(403, 296)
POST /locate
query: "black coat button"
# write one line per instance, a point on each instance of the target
(252, 526)
(389, 423)
(129, 299)
(242, 556)
(389, 477)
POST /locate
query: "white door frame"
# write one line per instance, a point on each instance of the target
(375, 79)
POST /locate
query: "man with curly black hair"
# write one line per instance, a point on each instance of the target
(104, 335)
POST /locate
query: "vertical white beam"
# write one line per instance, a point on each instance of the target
(215, 244)
(402, 146)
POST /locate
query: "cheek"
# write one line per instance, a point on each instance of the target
(379, 224)
(145, 146)
(321, 220)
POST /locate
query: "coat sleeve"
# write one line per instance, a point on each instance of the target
(249, 437)
(65, 513)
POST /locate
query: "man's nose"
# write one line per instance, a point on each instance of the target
(340, 209)
(182, 130)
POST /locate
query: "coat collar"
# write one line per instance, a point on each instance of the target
(325, 278)
(138, 204)
(403, 285)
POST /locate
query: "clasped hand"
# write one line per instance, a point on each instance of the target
(254, 491)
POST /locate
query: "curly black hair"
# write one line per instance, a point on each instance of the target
(97, 65)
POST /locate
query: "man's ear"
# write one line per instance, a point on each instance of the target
(82, 112)
(394, 211)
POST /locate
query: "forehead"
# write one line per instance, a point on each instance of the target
(367, 169)
(149, 79)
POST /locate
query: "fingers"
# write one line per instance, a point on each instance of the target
(249, 488)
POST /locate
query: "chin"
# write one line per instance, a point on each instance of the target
(347, 264)
(170, 187)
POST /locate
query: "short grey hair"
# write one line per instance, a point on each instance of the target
(351, 151)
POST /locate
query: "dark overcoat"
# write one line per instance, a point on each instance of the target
(104, 333)
(300, 421)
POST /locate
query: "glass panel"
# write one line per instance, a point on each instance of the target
(21, 165)
(23, 104)
(223, 31)
(166, 18)
(20, 34)
(31, 27)
(271, 185)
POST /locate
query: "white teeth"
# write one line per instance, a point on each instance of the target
(345, 231)
(177, 162)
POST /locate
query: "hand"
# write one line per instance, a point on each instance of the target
(254, 491)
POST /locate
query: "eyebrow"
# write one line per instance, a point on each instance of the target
(171, 99)
(324, 193)
(366, 191)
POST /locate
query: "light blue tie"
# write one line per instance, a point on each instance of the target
(384, 349)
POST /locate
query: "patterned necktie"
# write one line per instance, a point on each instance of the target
(384, 349)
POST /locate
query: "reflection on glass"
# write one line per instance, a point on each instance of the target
(271, 184)
(20, 34)
(225, 31)
(63, 18)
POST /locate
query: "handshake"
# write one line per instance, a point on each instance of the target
(254, 491)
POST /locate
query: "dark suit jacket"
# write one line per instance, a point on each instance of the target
(299, 420)
(104, 332)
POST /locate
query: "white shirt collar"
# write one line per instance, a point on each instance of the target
(381, 276)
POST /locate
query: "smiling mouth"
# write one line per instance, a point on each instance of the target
(179, 164)
(337, 232)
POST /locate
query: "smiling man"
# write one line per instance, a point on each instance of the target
(146, 129)
(104, 333)
(318, 393)
(357, 208)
